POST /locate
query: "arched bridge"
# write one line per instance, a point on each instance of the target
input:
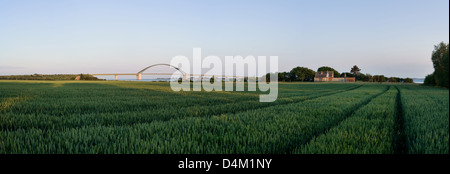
(140, 73)
(184, 74)
(161, 64)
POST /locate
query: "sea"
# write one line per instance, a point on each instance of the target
(418, 80)
(143, 80)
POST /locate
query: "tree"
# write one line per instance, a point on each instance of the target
(355, 70)
(284, 77)
(346, 74)
(440, 63)
(267, 76)
(326, 68)
(87, 77)
(393, 79)
(379, 78)
(446, 68)
(429, 80)
(363, 77)
(408, 80)
(302, 74)
(369, 77)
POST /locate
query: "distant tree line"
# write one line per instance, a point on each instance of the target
(439, 57)
(49, 77)
(382, 78)
(87, 77)
(303, 74)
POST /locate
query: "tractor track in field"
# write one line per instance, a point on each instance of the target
(286, 103)
(202, 115)
(263, 106)
(249, 109)
(348, 115)
(400, 143)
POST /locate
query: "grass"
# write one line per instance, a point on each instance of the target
(426, 115)
(369, 130)
(99, 117)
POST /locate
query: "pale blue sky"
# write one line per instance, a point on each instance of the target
(390, 37)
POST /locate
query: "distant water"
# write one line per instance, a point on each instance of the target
(144, 80)
(418, 80)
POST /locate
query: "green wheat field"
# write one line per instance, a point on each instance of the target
(125, 117)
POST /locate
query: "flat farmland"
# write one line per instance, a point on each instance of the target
(125, 117)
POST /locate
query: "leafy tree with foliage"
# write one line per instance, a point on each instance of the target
(355, 70)
(440, 58)
(302, 74)
(346, 74)
(379, 78)
(438, 63)
(408, 80)
(87, 77)
(326, 68)
(284, 77)
(267, 76)
(363, 77)
(446, 68)
(49, 77)
(429, 80)
(393, 79)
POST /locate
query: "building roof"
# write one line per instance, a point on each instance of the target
(322, 74)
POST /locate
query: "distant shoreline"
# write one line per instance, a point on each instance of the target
(8, 77)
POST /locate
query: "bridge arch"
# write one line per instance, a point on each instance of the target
(139, 74)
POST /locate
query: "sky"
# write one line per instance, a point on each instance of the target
(389, 37)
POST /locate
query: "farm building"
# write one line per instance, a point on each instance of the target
(328, 76)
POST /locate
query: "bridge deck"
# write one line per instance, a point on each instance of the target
(134, 74)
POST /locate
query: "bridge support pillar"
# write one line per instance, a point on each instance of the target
(115, 77)
(139, 76)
